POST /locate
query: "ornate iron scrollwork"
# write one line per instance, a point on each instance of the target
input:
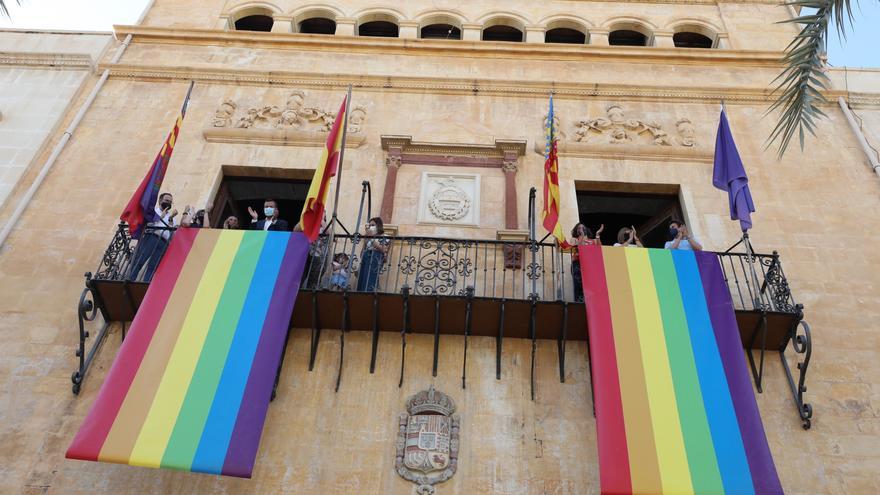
(801, 343)
(117, 256)
(777, 284)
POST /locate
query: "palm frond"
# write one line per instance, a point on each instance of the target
(3, 8)
(799, 86)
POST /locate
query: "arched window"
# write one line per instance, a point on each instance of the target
(565, 35)
(441, 32)
(256, 22)
(686, 39)
(317, 25)
(502, 33)
(383, 29)
(626, 37)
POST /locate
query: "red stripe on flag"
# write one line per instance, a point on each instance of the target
(614, 475)
(95, 428)
(313, 211)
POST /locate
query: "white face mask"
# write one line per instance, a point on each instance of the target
(372, 229)
(269, 211)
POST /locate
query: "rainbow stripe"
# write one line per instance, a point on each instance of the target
(675, 410)
(191, 384)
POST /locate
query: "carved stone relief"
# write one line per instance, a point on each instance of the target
(428, 440)
(294, 114)
(449, 199)
(618, 135)
(291, 124)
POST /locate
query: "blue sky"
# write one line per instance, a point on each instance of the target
(858, 50)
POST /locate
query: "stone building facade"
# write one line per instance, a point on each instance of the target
(635, 119)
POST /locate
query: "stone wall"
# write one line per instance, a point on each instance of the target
(815, 207)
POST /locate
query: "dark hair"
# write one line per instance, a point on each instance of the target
(587, 231)
(380, 225)
(270, 199)
(676, 222)
(165, 194)
(340, 258)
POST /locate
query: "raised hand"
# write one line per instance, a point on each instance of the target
(253, 213)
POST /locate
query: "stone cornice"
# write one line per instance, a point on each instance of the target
(509, 88)
(453, 48)
(47, 60)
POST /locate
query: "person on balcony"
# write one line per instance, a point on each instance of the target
(271, 222)
(231, 223)
(339, 276)
(627, 237)
(195, 220)
(681, 237)
(581, 235)
(373, 255)
(154, 240)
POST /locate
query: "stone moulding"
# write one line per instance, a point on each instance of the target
(276, 137)
(47, 60)
(452, 86)
(630, 152)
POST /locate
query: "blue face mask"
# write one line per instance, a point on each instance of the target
(673, 232)
(269, 211)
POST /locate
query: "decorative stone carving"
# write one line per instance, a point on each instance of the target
(449, 202)
(449, 199)
(428, 440)
(686, 132)
(510, 166)
(293, 115)
(393, 161)
(223, 114)
(615, 128)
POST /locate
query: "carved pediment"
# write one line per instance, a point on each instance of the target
(289, 124)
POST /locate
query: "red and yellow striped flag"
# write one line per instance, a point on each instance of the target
(550, 213)
(316, 201)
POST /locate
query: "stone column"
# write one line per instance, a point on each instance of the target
(471, 32)
(345, 26)
(509, 166)
(598, 36)
(535, 34)
(408, 29)
(282, 24)
(392, 163)
(663, 39)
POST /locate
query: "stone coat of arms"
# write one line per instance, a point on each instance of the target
(427, 440)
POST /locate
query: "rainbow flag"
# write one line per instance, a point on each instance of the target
(191, 384)
(675, 409)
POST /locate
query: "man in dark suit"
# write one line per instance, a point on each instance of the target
(271, 222)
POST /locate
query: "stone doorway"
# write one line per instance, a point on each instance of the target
(243, 187)
(648, 207)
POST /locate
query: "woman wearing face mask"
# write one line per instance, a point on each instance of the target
(581, 235)
(231, 223)
(373, 255)
(627, 237)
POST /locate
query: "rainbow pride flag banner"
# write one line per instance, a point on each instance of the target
(191, 384)
(675, 409)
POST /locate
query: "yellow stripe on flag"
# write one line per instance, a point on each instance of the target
(159, 423)
(674, 471)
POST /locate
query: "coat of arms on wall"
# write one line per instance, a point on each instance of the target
(427, 440)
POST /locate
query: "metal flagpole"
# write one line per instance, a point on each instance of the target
(334, 219)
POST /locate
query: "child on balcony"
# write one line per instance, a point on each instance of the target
(339, 276)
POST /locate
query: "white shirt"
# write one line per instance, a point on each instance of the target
(164, 221)
(268, 223)
(685, 244)
(617, 244)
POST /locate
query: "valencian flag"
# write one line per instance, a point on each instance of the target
(550, 213)
(190, 387)
(316, 201)
(675, 409)
(141, 208)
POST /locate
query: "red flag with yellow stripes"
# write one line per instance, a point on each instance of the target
(550, 213)
(316, 201)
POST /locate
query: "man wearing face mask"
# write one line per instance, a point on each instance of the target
(681, 238)
(154, 240)
(271, 222)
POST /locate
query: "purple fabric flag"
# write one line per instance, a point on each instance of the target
(730, 175)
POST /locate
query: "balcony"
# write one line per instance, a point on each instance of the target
(466, 287)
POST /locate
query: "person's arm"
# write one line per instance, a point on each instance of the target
(599, 232)
(676, 241)
(695, 244)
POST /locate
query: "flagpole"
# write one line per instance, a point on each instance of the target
(329, 248)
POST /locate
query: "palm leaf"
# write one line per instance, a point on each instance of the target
(4, 10)
(799, 86)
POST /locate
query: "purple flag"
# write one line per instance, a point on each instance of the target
(729, 175)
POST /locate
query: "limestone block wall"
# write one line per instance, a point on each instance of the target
(40, 74)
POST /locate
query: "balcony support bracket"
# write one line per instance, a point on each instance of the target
(374, 348)
(499, 340)
(316, 331)
(533, 335)
(436, 335)
(801, 343)
(563, 336)
(404, 329)
(346, 324)
(469, 293)
(758, 372)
